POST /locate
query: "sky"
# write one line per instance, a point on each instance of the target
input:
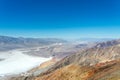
(60, 18)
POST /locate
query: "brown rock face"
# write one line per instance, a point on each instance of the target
(105, 71)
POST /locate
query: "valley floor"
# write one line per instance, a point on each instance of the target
(15, 62)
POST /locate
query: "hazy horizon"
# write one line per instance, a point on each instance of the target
(68, 39)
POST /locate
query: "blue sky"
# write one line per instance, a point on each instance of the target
(60, 18)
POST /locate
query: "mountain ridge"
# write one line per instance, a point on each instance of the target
(8, 43)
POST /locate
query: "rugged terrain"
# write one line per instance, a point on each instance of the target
(77, 60)
(97, 63)
(23, 51)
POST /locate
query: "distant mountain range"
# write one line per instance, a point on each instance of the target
(8, 43)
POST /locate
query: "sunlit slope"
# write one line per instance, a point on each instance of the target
(98, 63)
(105, 71)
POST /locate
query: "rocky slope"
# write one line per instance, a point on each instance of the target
(97, 63)
(102, 71)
